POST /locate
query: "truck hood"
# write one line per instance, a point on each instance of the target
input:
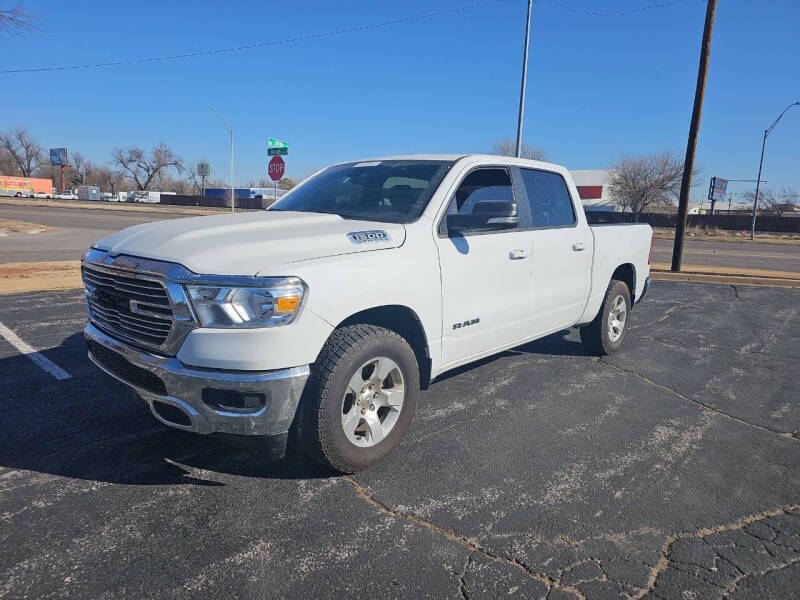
(250, 243)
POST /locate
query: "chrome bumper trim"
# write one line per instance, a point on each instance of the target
(185, 384)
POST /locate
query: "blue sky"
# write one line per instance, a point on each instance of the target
(597, 86)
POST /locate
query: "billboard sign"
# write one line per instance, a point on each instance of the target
(58, 157)
(717, 189)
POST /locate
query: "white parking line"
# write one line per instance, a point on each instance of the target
(44, 363)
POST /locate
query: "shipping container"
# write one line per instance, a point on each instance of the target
(89, 192)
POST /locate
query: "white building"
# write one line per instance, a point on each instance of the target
(593, 187)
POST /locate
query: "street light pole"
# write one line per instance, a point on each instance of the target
(230, 130)
(767, 131)
(524, 81)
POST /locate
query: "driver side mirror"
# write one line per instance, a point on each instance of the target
(487, 215)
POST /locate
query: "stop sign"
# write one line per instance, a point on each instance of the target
(276, 166)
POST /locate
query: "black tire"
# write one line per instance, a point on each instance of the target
(595, 336)
(320, 430)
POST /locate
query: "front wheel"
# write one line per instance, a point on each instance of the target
(361, 398)
(605, 333)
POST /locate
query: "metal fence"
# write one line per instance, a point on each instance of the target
(739, 222)
(183, 200)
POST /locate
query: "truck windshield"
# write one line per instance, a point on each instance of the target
(391, 191)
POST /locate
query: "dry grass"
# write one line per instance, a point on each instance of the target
(37, 277)
(10, 226)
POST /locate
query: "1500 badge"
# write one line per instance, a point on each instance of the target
(369, 237)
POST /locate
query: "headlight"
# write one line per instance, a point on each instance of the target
(275, 302)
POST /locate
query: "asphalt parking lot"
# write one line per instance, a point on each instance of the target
(669, 470)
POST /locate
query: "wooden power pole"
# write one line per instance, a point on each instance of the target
(694, 128)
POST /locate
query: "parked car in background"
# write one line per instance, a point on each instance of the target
(332, 309)
(67, 195)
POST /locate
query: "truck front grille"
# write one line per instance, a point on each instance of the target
(128, 306)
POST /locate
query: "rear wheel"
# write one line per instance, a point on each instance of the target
(361, 398)
(605, 333)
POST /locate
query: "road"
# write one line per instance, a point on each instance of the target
(760, 255)
(77, 228)
(668, 470)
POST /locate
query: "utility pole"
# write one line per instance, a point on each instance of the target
(767, 131)
(524, 80)
(694, 128)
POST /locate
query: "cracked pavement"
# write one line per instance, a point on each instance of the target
(668, 470)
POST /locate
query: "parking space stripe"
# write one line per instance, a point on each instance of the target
(44, 363)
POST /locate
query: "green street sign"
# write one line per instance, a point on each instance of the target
(277, 151)
(276, 143)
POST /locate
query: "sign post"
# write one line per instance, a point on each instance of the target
(276, 148)
(717, 190)
(275, 170)
(58, 158)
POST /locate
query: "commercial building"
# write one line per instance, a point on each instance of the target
(593, 188)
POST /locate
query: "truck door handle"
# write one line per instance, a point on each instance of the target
(578, 246)
(519, 254)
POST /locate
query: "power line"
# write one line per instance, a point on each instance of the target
(596, 13)
(302, 38)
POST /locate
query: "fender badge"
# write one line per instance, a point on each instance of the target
(369, 237)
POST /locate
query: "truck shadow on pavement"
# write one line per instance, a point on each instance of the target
(555, 344)
(92, 427)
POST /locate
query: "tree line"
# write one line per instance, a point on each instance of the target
(638, 183)
(132, 168)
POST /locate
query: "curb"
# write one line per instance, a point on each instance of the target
(724, 279)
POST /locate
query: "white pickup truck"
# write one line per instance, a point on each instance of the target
(326, 314)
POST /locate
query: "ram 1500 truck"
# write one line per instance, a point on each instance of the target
(326, 314)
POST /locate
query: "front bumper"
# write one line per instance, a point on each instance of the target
(166, 381)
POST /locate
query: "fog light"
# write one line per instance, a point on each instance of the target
(234, 401)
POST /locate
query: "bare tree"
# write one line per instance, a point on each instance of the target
(8, 166)
(142, 168)
(790, 199)
(79, 168)
(16, 19)
(508, 147)
(774, 204)
(23, 150)
(646, 181)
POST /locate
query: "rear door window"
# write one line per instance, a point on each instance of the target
(548, 198)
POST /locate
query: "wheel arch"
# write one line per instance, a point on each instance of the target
(626, 273)
(404, 322)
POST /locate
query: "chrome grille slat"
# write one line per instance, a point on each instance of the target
(149, 296)
(124, 286)
(110, 292)
(123, 277)
(124, 334)
(164, 326)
